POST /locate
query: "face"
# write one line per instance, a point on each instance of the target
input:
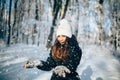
(61, 39)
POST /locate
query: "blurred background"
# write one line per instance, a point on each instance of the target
(35, 21)
(95, 23)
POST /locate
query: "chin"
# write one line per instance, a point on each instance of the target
(62, 43)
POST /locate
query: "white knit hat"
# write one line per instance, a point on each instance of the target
(64, 28)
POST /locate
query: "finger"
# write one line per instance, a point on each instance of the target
(63, 74)
(60, 74)
(25, 64)
(67, 70)
(55, 71)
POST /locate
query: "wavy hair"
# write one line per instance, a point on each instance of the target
(60, 52)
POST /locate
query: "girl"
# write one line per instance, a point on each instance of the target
(65, 55)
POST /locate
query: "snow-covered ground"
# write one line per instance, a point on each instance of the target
(97, 63)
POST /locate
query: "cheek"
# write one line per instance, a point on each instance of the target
(58, 39)
(64, 39)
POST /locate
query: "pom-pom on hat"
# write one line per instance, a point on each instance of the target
(64, 28)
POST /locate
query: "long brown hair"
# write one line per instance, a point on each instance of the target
(59, 51)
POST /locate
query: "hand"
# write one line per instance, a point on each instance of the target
(31, 64)
(61, 71)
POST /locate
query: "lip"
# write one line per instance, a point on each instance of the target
(61, 42)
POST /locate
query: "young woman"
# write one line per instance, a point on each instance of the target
(65, 55)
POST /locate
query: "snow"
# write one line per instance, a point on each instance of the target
(97, 63)
(100, 62)
(44, 76)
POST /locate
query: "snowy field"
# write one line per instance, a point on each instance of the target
(97, 63)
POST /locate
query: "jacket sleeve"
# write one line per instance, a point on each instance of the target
(48, 64)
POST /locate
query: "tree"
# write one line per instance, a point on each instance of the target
(3, 20)
(9, 24)
(99, 20)
(57, 7)
(114, 8)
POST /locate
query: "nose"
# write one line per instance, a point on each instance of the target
(60, 38)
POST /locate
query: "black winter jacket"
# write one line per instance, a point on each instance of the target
(71, 62)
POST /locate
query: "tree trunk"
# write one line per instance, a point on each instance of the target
(78, 11)
(2, 21)
(115, 23)
(36, 10)
(9, 25)
(65, 9)
(56, 8)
